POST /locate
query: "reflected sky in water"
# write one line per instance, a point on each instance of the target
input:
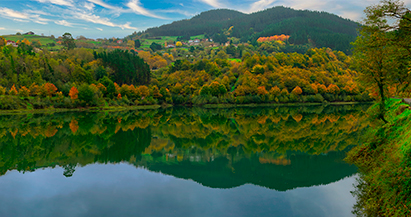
(123, 190)
(181, 162)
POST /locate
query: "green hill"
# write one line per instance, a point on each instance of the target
(45, 41)
(320, 29)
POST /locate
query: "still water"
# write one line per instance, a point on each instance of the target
(181, 162)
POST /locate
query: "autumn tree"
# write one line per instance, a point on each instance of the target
(24, 92)
(275, 91)
(13, 90)
(297, 91)
(49, 89)
(2, 90)
(381, 51)
(73, 93)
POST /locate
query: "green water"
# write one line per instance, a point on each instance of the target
(180, 162)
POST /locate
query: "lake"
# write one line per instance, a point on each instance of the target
(279, 161)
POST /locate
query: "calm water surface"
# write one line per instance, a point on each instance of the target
(180, 162)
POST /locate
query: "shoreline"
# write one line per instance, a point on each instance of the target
(154, 107)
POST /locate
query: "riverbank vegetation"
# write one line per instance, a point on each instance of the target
(383, 57)
(384, 186)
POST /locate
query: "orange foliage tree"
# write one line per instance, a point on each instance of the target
(274, 38)
(13, 90)
(73, 93)
(50, 89)
(334, 89)
(262, 91)
(297, 91)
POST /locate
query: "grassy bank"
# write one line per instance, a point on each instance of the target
(384, 187)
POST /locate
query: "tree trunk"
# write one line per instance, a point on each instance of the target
(381, 111)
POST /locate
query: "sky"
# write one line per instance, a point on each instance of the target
(119, 18)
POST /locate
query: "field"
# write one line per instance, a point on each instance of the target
(147, 42)
(235, 59)
(44, 40)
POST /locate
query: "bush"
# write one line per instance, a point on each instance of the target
(213, 100)
(67, 103)
(200, 100)
(178, 99)
(329, 97)
(86, 94)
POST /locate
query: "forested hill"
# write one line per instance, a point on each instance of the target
(321, 29)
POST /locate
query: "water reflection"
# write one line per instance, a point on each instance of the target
(279, 148)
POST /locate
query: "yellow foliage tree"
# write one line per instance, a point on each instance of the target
(24, 92)
(275, 91)
(2, 90)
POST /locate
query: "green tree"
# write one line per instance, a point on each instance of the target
(154, 46)
(68, 41)
(137, 43)
(109, 84)
(381, 51)
(85, 93)
(128, 67)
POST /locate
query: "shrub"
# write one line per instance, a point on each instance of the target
(213, 100)
(85, 94)
(24, 92)
(2, 91)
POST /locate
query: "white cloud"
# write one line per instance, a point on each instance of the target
(99, 29)
(356, 16)
(37, 19)
(2, 28)
(127, 26)
(58, 2)
(319, 5)
(9, 13)
(63, 23)
(22, 17)
(100, 20)
(213, 3)
(261, 5)
(177, 11)
(105, 5)
(37, 12)
(134, 5)
(89, 6)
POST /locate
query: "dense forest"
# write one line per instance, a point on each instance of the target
(321, 29)
(82, 77)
